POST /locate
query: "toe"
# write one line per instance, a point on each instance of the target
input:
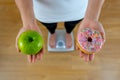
(68, 40)
(52, 40)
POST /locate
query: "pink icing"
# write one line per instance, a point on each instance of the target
(90, 40)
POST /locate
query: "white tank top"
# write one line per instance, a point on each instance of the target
(50, 11)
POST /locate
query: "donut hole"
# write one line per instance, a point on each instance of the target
(89, 39)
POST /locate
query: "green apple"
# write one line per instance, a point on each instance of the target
(30, 42)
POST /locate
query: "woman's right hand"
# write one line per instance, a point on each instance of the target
(31, 58)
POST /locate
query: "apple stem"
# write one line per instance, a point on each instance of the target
(30, 39)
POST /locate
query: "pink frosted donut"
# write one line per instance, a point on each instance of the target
(89, 40)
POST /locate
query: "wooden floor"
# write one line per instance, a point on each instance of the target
(59, 66)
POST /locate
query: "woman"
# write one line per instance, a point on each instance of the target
(49, 12)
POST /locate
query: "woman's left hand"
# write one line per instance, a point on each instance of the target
(93, 24)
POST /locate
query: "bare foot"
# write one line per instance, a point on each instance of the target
(52, 40)
(68, 40)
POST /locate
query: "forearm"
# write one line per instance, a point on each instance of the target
(26, 11)
(94, 9)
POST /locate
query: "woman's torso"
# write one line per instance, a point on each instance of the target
(59, 10)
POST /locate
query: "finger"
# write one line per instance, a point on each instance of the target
(91, 57)
(81, 54)
(86, 57)
(38, 56)
(29, 57)
(41, 53)
(33, 58)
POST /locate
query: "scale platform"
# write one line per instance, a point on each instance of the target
(61, 42)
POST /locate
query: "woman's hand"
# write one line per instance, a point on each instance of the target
(31, 58)
(87, 23)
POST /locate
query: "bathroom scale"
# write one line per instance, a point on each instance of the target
(60, 42)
